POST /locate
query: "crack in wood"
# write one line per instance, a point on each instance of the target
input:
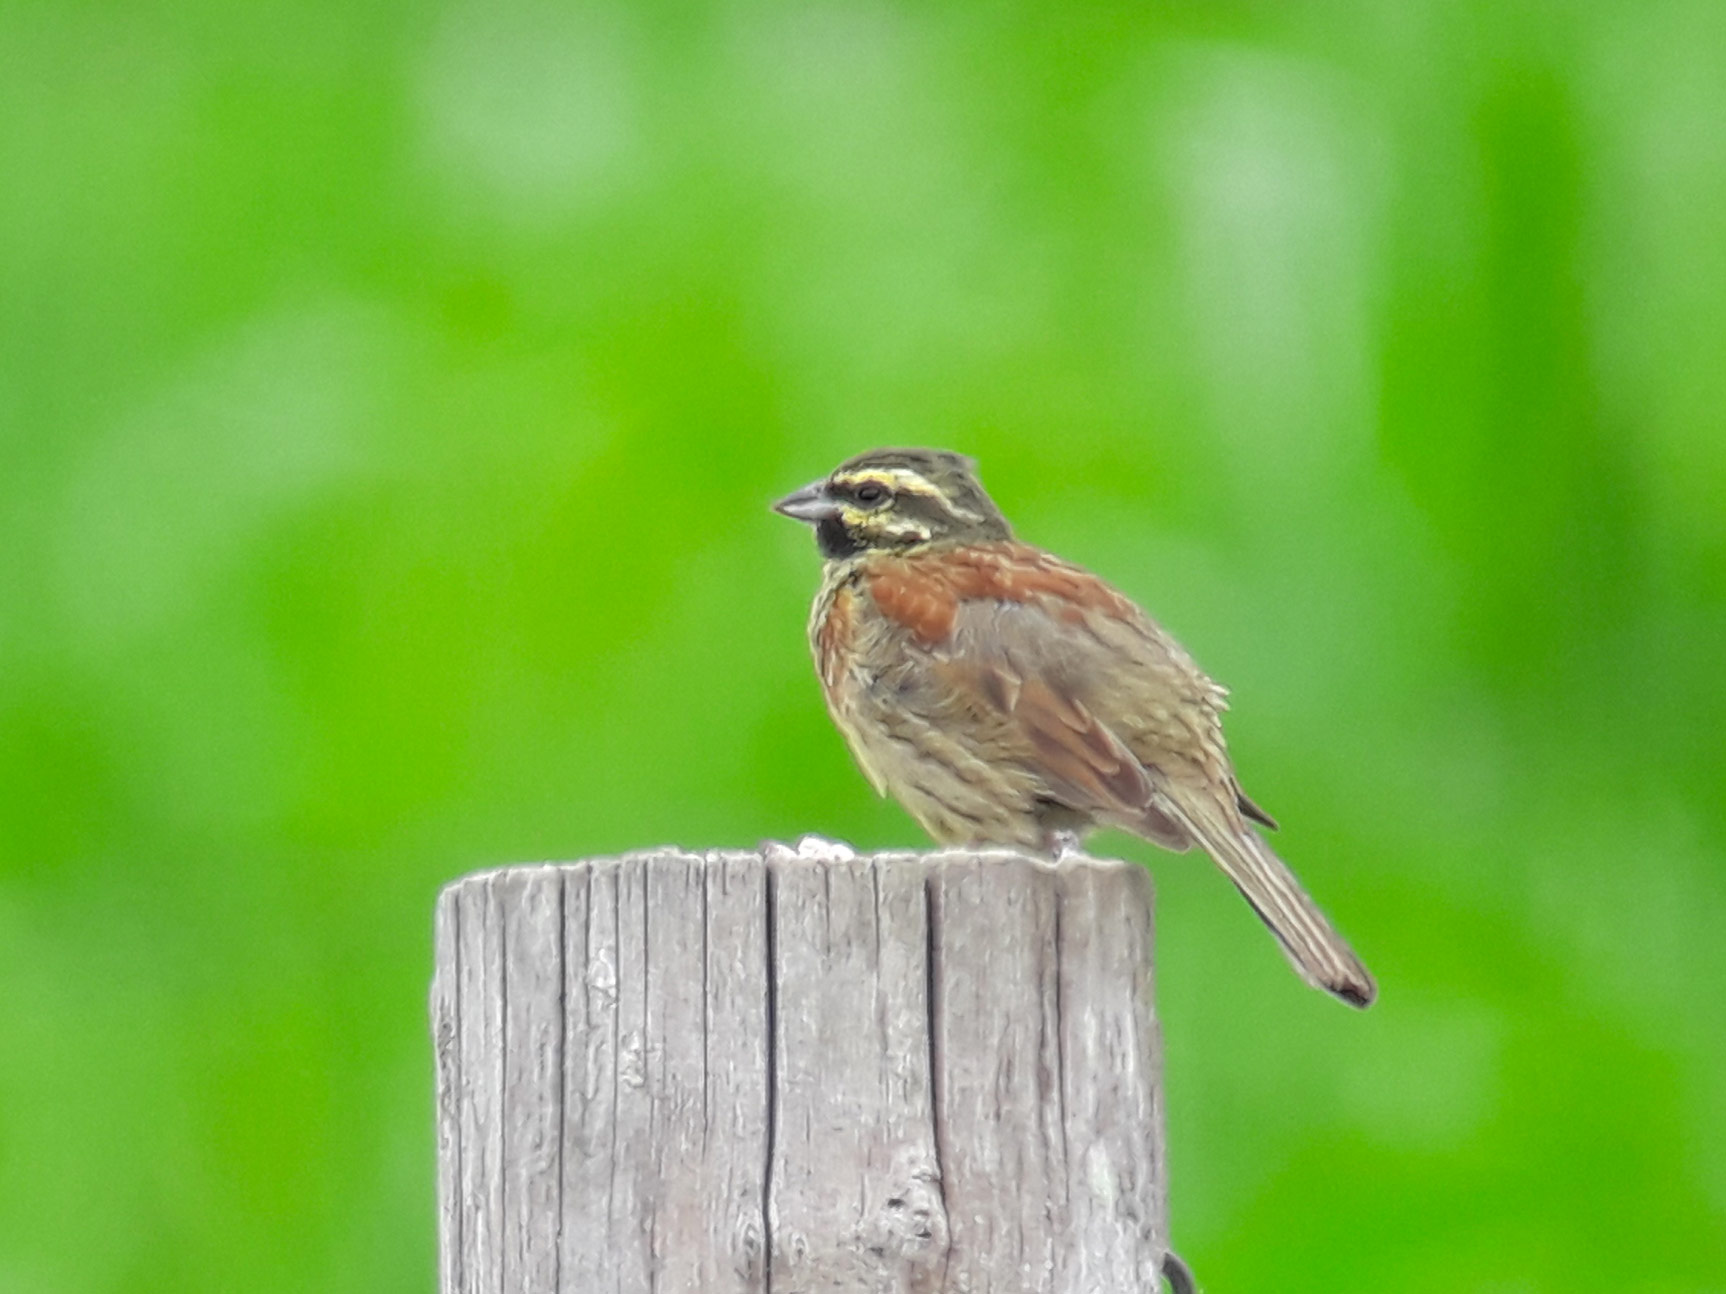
(770, 887)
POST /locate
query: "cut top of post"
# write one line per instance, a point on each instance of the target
(798, 1069)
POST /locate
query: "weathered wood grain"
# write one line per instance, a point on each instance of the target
(796, 1071)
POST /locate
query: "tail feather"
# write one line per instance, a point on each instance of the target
(1321, 955)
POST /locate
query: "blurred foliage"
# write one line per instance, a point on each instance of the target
(391, 396)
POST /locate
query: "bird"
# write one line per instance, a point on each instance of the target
(1008, 698)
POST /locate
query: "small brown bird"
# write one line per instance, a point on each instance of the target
(1006, 697)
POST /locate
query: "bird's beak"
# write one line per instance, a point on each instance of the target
(812, 504)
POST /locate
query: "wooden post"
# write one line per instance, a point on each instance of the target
(799, 1070)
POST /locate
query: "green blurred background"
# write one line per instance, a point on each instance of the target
(391, 396)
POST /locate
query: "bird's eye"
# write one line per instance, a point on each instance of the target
(871, 493)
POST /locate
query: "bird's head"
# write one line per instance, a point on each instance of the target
(891, 500)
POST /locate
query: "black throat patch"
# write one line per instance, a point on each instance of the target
(834, 540)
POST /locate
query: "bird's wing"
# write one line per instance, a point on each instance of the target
(1020, 661)
(1015, 643)
(1085, 763)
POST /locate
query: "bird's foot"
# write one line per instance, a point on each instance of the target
(1064, 845)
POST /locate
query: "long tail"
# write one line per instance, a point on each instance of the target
(1317, 951)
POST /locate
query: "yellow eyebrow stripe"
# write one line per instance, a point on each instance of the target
(876, 523)
(894, 478)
